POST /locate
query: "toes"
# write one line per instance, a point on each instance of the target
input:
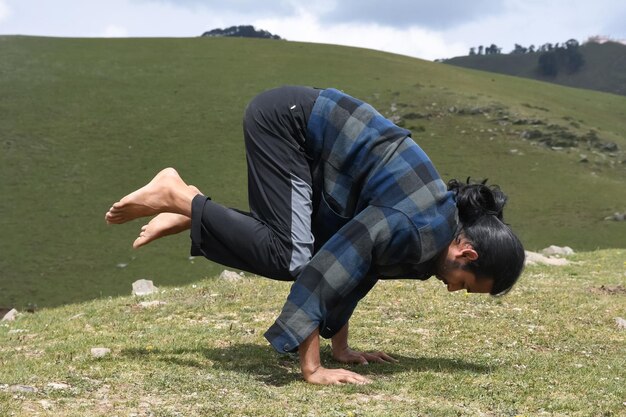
(138, 242)
(112, 220)
(112, 213)
(141, 240)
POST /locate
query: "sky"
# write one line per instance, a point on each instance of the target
(427, 29)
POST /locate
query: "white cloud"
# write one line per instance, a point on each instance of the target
(4, 10)
(114, 31)
(412, 41)
(533, 22)
(431, 14)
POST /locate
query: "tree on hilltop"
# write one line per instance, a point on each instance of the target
(567, 57)
(242, 31)
(493, 49)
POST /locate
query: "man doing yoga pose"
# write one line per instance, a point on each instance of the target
(340, 197)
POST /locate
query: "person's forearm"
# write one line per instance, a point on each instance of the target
(309, 351)
(315, 373)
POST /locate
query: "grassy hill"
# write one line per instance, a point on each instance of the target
(84, 121)
(550, 348)
(604, 68)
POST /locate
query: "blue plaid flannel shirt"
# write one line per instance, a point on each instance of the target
(382, 212)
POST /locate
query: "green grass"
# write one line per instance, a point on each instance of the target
(85, 121)
(550, 348)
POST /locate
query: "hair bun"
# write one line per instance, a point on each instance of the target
(476, 199)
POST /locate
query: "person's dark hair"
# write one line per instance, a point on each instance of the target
(500, 252)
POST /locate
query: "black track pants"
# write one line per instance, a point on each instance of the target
(274, 239)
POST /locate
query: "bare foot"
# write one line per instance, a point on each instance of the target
(164, 224)
(167, 192)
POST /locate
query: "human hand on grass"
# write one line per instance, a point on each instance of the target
(325, 376)
(343, 353)
(347, 355)
(313, 371)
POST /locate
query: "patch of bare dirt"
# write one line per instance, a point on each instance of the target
(609, 290)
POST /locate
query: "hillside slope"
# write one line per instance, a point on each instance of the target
(604, 68)
(85, 121)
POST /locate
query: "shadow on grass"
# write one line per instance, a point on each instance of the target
(262, 364)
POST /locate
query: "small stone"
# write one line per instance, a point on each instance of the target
(57, 385)
(149, 304)
(231, 276)
(609, 147)
(22, 388)
(10, 316)
(45, 404)
(619, 217)
(621, 323)
(100, 352)
(534, 258)
(553, 250)
(143, 287)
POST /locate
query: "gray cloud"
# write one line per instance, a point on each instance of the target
(432, 14)
(254, 8)
(616, 28)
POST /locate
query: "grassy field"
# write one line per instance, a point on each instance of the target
(84, 121)
(550, 348)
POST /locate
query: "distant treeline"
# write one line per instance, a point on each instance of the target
(242, 31)
(553, 58)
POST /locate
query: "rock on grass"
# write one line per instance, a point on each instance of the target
(100, 352)
(231, 276)
(144, 287)
(10, 316)
(534, 258)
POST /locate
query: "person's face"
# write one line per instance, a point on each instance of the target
(450, 268)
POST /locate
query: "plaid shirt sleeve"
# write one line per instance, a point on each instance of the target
(330, 286)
